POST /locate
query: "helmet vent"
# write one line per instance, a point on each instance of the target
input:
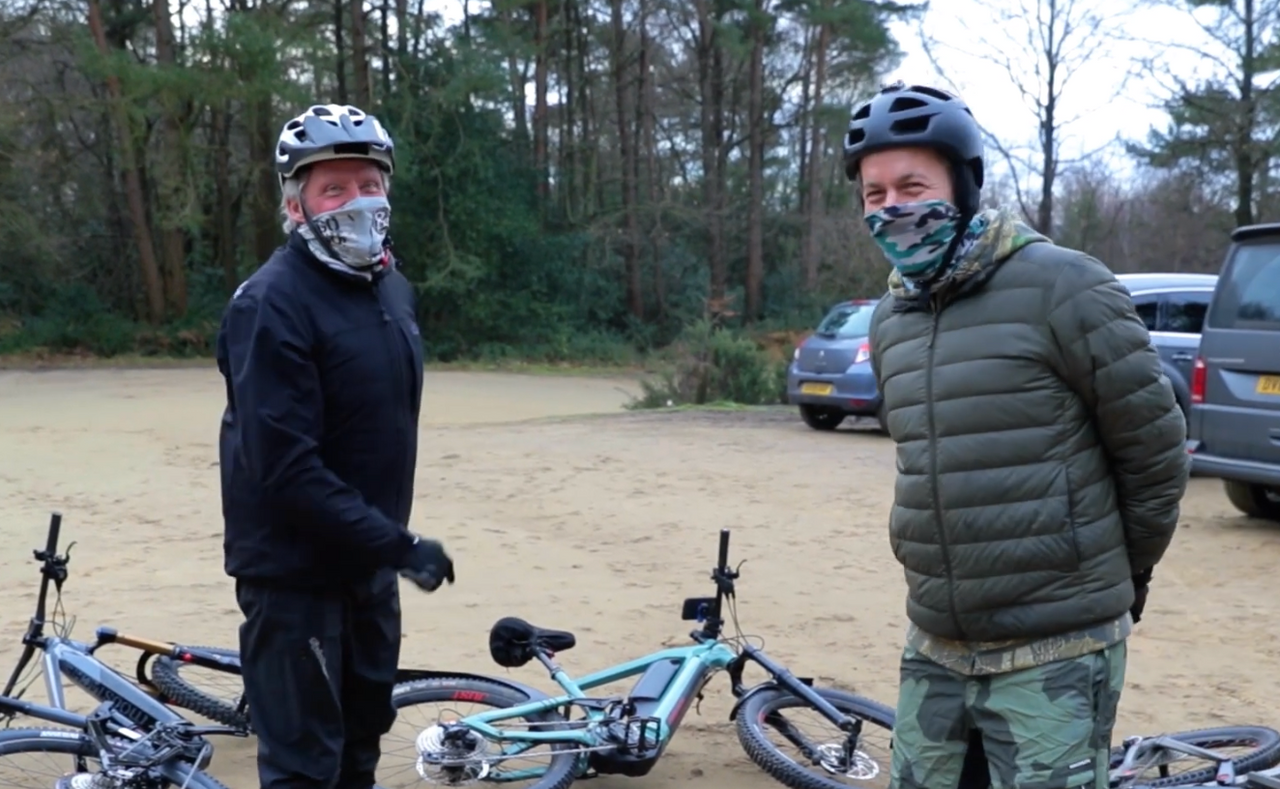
(904, 103)
(915, 125)
(934, 92)
(863, 113)
(854, 137)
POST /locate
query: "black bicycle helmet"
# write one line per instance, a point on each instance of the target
(332, 131)
(902, 116)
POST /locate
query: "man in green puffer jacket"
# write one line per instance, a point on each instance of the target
(1040, 455)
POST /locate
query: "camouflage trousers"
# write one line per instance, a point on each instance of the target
(1044, 727)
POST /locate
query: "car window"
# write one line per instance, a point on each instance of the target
(1148, 308)
(1183, 312)
(846, 321)
(1248, 295)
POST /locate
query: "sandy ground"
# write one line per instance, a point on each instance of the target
(599, 524)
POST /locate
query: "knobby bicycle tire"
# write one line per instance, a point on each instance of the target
(166, 673)
(1264, 753)
(76, 743)
(778, 765)
(560, 773)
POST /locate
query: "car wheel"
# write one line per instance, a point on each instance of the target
(1256, 501)
(820, 418)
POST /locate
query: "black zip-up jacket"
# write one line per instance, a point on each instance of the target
(318, 444)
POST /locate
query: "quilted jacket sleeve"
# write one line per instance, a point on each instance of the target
(1107, 358)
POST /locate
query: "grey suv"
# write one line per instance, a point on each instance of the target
(1173, 308)
(1235, 390)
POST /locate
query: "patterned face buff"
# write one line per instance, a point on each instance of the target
(355, 231)
(915, 236)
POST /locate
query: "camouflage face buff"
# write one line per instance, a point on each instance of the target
(355, 232)
(915, 236)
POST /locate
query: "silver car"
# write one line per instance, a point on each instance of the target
(1234, 431)
(1173, 307)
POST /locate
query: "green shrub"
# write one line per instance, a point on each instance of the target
(712, 365)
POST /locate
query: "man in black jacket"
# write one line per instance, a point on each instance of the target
(323, 367)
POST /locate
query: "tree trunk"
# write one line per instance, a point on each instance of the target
(568, 145)
(711, 91)
(540, 95)
(225, 237)
(132, 178)
(647, 100)
(170, 190)
(266, 185)
(340, 50)
(755, 211)
(360, 58)
(631, 245)
(817, 141)
(1244, 158)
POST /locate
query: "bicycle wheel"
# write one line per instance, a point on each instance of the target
(824, 766)
(1251, 748)
(38, 758)
(216, 694)
(422, 705)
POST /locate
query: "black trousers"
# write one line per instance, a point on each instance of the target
(319, 669)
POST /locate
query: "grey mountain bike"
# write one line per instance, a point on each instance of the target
(130, 741)
(1242, 756)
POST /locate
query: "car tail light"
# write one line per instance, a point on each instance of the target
(1199, 374)
(863, 354)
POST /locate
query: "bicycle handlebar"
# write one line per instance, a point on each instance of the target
(723, 564)
(51, 544)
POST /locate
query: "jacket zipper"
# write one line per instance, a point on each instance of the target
(388, 328)
(933, 470)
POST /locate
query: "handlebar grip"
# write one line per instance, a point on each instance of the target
(724, 549)
(55, 528)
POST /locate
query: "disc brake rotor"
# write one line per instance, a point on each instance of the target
(860, 768)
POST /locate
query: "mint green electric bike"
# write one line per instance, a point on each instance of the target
(493, 730)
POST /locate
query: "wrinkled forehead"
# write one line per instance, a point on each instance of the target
(343, 171)
(899, 165)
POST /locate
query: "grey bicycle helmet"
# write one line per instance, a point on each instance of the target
(332, 131)
(901, 116)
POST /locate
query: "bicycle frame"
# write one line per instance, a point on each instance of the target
(1137, 747)
(697, 663)
(182, 752)
(63, 657)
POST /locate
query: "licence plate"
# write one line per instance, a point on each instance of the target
(1269, 385)
(826, 389)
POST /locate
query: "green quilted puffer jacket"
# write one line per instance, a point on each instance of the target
(1041, 454)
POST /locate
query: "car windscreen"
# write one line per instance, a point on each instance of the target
(1248, 292)
(846, 321)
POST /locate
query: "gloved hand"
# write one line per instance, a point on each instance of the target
(1141, 581)
(427, 565)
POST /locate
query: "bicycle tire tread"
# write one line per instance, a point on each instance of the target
(561, 778)
(167, 676)
(784, 770)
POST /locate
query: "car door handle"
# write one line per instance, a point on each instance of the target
(1183, 357)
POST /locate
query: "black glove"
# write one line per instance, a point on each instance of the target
(427, 565)
(1141, 581)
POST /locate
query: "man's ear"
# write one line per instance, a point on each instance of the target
(294, 208)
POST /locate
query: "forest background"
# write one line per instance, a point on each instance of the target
(652, 183)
